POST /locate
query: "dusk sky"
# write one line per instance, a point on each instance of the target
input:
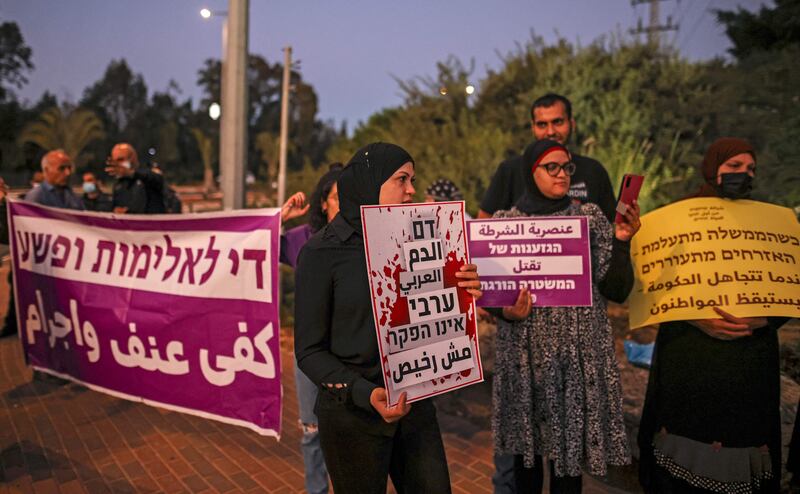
(349, 49)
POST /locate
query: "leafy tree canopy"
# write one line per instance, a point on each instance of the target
(15, 59)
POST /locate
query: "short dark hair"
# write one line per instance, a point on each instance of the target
(549, 100)
(316, 217)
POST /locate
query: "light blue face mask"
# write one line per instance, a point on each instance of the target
(89, 187)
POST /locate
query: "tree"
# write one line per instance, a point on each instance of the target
(757, 97)
(70, 129)
(636, 108)
(119, 98)
(15, 59)
(770, 29)
(206, 146)
(309, 138)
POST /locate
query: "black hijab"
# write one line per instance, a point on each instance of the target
(361, 180)
(533, 201)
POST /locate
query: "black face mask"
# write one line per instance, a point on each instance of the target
(735, 185)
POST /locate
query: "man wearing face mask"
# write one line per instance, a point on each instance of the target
(137, 190)
(95, 199)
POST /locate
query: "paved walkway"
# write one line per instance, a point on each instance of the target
(57, 436)
(60, 437)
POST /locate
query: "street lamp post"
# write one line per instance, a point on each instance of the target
(284, 136)
(233, 122)
(233, 108)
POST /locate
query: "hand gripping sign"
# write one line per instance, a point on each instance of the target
(426, 325)
(549, 256)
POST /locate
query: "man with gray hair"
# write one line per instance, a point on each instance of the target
(54, 191)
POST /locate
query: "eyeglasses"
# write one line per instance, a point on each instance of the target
(553, 169)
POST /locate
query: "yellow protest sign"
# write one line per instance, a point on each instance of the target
(691, 256)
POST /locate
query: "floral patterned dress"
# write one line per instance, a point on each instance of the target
(557, 389)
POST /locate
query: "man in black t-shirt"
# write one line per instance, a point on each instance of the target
(551, 118)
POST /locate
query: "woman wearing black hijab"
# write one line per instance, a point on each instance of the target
(363, 440)
(556, 389)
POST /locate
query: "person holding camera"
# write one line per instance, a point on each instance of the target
(138, 190)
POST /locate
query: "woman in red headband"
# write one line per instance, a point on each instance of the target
(556, 386)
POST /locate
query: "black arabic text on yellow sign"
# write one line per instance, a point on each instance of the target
(691, 256)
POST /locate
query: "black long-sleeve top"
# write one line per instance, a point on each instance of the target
(335, 341)
(142, 192)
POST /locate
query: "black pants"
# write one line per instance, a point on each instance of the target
(10, 326)
(531, 480)
(361, 450)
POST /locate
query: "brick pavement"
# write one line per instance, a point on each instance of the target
(60, 437)
(57, 436)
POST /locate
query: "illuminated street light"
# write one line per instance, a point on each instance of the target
(214, 111)
(233, 125)
(443, 90)
(469, 89)
(206, 13)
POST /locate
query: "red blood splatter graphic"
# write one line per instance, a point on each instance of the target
(379, 290)
(399, 311)
(387, 271)
(465, 373)
(451, 267)
(447, 235)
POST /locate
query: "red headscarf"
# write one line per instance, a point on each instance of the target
(718, 153)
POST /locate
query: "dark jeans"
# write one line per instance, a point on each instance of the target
(361, 450)
(531, 480)
(10, 326)
(503, 476)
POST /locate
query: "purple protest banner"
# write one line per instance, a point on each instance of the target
(547, 255)
(179, 312)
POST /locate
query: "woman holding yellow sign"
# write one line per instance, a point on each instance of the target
(557, 388)
(711, 418)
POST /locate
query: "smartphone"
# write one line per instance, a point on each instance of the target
(628, 192)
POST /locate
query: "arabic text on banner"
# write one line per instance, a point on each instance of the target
(426, 326)
(691, 256)
(176, 311)
(550, 256)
